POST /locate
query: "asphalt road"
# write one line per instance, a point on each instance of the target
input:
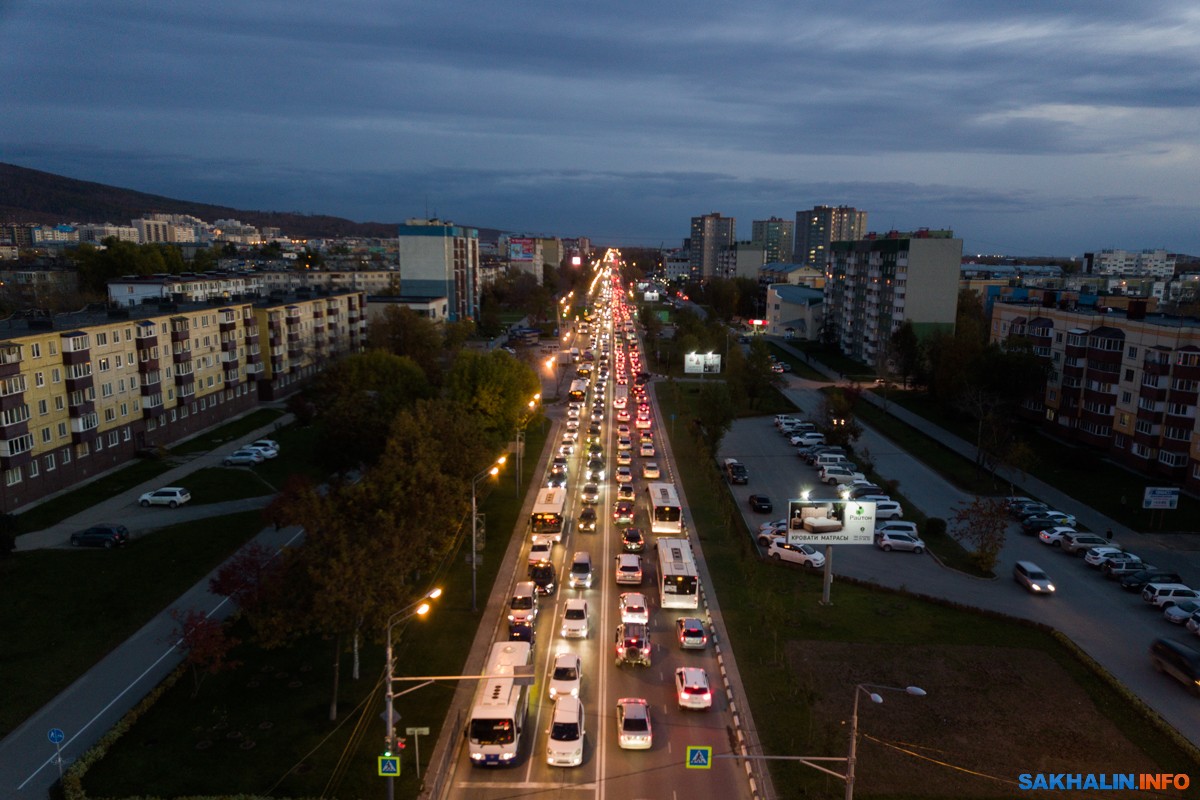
(1113, 627)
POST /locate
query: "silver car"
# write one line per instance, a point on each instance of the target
(1032, 577)
(889, 540)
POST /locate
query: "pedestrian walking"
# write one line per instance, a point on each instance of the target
(1108, 534)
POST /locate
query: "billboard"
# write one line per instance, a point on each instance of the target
(831, 522)
(650, 297)
(520, 249)
(701, 363)
(1166, 497)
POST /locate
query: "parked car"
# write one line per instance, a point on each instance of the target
(888, 509)
(888, 540)
(266, 451)
(834, 474)
(1033, 578)
(1137, 581)
(803, 554)
(1165, 595)
(1097, 556)
(170, 496)
(1115, 569)
(1181, 612)
(107, 536)
(1053, 536)
(760, 503)
(1077, 544)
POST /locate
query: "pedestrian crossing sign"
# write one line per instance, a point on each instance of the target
(699, 757)
(389, 766)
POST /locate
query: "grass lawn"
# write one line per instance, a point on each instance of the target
(799, 661)
(233, 431)
(111, 594)
(800, 366)
(265, 726)
(218, 484)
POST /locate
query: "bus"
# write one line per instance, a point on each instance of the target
(578, 390)
(666, 515)
(620, 396)
(498, 712)
(678, 581)
(547, 516)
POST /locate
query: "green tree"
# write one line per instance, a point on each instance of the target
(904, 351)
(403, 332)
(494, 388)
(716, 413)
(836, 418)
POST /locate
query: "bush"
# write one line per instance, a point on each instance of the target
(935, 526)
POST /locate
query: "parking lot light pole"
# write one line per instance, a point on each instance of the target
(864, 688)
(417, 609)
(492, 470)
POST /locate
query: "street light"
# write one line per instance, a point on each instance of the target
(915, 691)
(493, 471)
(417, 609)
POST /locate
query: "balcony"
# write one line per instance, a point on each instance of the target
(232, 377)
(17, 445)
(85, 423)
(152, 402)
(185, 390)
(145, 333)
(14, 386)
(151, 379)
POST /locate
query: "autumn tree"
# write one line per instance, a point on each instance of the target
(205, 644)
(983, 523)
(494, 389)
(245, 577)
(836, 420)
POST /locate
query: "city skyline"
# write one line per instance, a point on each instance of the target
(1043, 132)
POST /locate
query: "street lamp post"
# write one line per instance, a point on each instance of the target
(417, 609)
(492, 470)
(852, 759)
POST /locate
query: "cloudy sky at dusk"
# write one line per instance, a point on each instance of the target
(1028, 128)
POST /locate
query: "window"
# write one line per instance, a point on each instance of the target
(1122, 419)
(114, 438)
(47, 435)
(1133, 352)
(56, 375)
(124, 409)
(39, 379)
(82, 450)
(105, 364)
(127, 435)
(34, 470)
(43, 408)
(53, 348)
(1126, 397)
(48, 460)
(35, 350)
(12, 476)
(62, 430)
(99, 444)
(66, 456)
(106, 390)
(120, 359)
(1129, 375)
(110, 414)
(101, 339)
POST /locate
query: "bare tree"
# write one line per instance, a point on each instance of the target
(983, 523)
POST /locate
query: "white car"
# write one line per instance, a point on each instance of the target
(888, 509)
(170, 496)
(564, 744)
(624, 443)
(647, 450)
(1096, 556)
(540, 549)
(625, 492)
(691, 688)
(566, 448)
(263, 450)
(836, 474)
(629, 568)
(576, 623)
(624, 475)
(634, 607)
(641, 423)
(634, 731)
(650, 471)
(270, 444)
(1181, 612)
(566, 676)
(1053, 536)
(571, 435)
(624, 458)
(804, 554)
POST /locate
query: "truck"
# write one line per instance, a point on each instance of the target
(735, 471)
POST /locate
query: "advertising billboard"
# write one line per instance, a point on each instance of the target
(701, 363)
(520, 249)
(831, 522)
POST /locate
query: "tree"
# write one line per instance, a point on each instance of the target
(403, 332)
(493, 388)
(983, 523)
(836, 417)
(716, 413)
(750, 374)
(244, 578)
(904, 351)
(205, 645)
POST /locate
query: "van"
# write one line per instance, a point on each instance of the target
(1177, 660)
(580, 576)
(523, 607)
(829, 459)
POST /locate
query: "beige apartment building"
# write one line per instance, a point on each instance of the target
(80, 393)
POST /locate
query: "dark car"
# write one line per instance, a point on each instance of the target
(520, 631)
(587, 520)
(761, 503)
(106, 536)
(1138, 580)
(1032, 526)
(544, 577)
(863, 491)
(632, 540)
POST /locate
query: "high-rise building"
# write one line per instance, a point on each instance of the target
(441, 259)
(875, 284)
(820, 226)
(711, 234)
(775, 236)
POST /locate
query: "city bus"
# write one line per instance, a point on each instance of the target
(578, 390)
(498, 712)
(620, 396)
(678, 581)
(547, 516)
(666, 514)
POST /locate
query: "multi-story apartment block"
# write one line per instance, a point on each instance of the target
(874, 285)
(441, 259)
(1125, 383)
(1158, 263)
(711, 234)
(187, 287)
(83, 393)
(819, 227)
(777, 237)
(741, 260)
(98, 232)
(677, 265)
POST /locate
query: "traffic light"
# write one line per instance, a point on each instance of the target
(387, 745)
(401, 743)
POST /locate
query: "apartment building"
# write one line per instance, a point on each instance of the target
(874, 285)
(1127, 383)
(820, 226)
(777, 237)
(440, 259)
(80, 394)
(711, 234)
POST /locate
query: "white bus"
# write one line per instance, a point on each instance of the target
(547, 516)
(498, 712)
(620, 396)
(678, 581)
(666, 515)
(578, 390)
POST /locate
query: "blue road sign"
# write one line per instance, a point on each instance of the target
(389, 766)
(56, 736)
(699, 757)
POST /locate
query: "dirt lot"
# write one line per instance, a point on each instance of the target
(991, 710)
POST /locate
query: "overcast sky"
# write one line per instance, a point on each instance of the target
(1027, 127)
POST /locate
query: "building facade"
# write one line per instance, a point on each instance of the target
(441, 259)
(794, 312)
(81, 394)
(820, 226)
(874, 285)
(711, 234)
(741, 260)
(777, 237)
(1157, 263)
(1124, 383)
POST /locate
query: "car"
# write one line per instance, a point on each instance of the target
(1032, 526)
(595, 470)
(625, 492)
(1115, 569)
(566, 448)
(650, 471)
(591, 494)
(1053, 536)
(1177, 660)
(690, 633)
(1077, 544)
(597, 416)
(859, 490)
(896, 526)
(1137, 581)
(1181, 612)
(540, 548)
(1033, 578)
(634, 607)
(1022, 510)
(622, 430)
(642, 423)
(587, 520)
(572, 428)
(573, 411)
(1096, 556)
(556, 480)
(898, 540)
(595, 450)
(624, 458)
(107, 536)
(760, 503)
(634, 731)
(804, 554)
(523, 605)
(1193, 623)
(770, 532)
(633, 644)
(632, 540)
(169, 496)
(1165, 595)
(629, 569)
(268, 444)
(521, 631)
(566, 675)
(646, 450)
(623, 512)
(888, 509)
(624, 475)
(544, 577)
(691, 688)
(576, 622)
(623, 415)
(624, 443)
(564, 742)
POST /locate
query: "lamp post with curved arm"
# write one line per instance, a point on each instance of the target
(492, 470)
(417, 609)
(851, 761)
